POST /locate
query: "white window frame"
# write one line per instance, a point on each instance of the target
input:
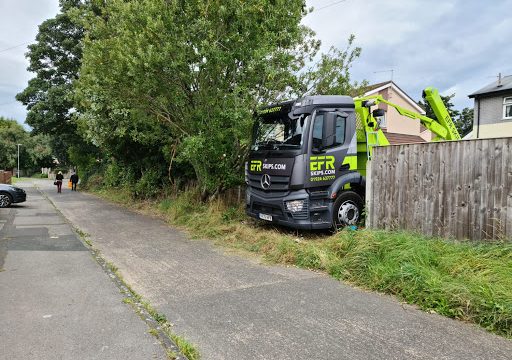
(383, 123)
(507, 101)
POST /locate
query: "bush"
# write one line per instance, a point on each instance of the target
(233, 213)
(94, 181)
(113, 175)
(40, 176)
(149, 185)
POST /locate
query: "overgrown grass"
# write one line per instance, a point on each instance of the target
(39, 176)
(15, 179)
(462, 280)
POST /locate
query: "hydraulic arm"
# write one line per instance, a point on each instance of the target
(431, 95)
(443, 127)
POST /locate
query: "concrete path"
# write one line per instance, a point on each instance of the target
(234, 308)
(55, 301)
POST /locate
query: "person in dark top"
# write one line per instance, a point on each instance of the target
(74, 180)
(58, 180)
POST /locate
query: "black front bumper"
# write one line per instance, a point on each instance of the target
(18, 197)
(316, 213)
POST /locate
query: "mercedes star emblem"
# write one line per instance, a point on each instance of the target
(265, 181)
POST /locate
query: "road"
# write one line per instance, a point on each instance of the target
(56, 302)
(237, 308)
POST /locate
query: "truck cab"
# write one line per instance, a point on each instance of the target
(302, 170)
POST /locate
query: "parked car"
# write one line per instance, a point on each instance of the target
(10, 195)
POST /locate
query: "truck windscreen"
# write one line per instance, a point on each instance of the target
(278, 132)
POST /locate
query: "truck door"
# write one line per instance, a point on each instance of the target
(328, 162)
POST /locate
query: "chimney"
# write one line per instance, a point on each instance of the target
(499, 80)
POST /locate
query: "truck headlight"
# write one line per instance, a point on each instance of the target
(295, 205)
(246, 173)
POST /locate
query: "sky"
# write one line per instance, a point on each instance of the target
(457, 46)
(19, 21)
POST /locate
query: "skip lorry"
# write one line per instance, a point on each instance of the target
(307, 163)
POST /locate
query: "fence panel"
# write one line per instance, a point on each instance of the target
(454, 189)
(5, 177)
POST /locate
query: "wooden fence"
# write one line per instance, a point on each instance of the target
(457, 189)
(5, 177)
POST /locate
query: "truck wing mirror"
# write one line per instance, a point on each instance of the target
(329, 130)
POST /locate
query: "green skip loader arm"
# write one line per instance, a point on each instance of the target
(431, 95)
(443, 127)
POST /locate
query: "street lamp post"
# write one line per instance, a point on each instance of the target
(19, 160)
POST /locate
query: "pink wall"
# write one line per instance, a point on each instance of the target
(396, 123)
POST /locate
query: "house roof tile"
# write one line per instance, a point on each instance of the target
(494, 87)
(395, 138)
(375, 86)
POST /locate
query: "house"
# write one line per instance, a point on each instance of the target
(493, 109)
(399, 129)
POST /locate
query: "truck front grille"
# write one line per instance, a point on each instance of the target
(278, 183)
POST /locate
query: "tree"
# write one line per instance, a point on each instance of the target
(178, 81)
(464, 122)
(55, 59)
(331, 74)
(35, 151)
(11, 134)
(40, 152)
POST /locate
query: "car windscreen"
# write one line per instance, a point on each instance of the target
(278, 132)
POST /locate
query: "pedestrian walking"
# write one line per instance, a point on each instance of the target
(74, 180)
(58, 181)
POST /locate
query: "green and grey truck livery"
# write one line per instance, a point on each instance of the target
(307, 162)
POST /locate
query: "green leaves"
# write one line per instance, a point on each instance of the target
(35, 151)
(330, 75)
(168, 87)
(189, 74)
(55, 60)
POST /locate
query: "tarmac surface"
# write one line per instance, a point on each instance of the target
(231, 307)
(56, 302)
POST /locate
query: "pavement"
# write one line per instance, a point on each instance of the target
(56, 302)
(233, 307)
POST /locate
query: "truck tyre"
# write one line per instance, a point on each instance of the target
(347, 209)
(5, 200)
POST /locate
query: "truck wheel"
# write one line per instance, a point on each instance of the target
(347, 209)
(5, 200)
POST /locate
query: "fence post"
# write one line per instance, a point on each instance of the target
(368, 194)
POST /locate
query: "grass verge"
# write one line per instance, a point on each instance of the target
(15, 179)
(461, 280)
